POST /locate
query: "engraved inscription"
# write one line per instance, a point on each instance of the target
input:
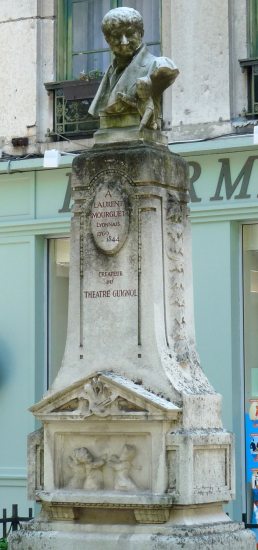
(109, 218)
(121, 293)
(108, 277)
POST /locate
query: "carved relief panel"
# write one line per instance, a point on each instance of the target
(114, 462)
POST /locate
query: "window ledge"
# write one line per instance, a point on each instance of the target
(249, 62)
(75, 89)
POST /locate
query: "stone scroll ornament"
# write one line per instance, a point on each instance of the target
(136, 79)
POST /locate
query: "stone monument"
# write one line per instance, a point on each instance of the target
(132, 453)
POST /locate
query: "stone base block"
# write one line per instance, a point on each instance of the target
(115, 128)
(217, 536)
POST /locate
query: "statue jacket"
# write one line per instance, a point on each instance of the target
(161, 71)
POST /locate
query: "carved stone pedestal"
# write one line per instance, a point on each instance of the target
(132, 452)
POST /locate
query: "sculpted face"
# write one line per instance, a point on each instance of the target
(124, 40)
(136, 80)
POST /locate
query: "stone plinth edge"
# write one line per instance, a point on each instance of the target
(229, 535)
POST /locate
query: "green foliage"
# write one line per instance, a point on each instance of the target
(3, 544)
(91, 75)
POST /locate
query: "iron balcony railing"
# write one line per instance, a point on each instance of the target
(71, 102)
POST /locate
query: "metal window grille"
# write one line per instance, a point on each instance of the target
(251, 67)
(71, 102)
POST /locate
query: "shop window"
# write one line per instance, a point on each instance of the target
(250, 65)
(250, 285)
(83, 56)
(58, 252)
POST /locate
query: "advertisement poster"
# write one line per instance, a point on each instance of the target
(252, 462)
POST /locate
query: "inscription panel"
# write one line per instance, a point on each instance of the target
(109, 244)
(109, 218)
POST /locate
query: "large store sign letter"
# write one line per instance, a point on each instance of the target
(67, 199)
(195, 176)
(224, 183)
(225, 177)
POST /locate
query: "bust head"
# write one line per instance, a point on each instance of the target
(123, 30)
(135, 82)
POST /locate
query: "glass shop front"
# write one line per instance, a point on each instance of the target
(250, 316)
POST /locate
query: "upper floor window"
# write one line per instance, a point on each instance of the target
(253, 28)
(83, 56)
(82, 48)
(250, 65)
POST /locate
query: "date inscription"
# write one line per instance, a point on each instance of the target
(109, 218)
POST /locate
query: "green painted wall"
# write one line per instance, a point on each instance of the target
(216, 249)
(29, 204)
(212, 290)
(34, 205)
(17, 357)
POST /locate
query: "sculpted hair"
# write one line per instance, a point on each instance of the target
(114, 18)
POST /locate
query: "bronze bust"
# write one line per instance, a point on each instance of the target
(136, 79)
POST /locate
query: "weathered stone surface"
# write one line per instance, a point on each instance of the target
(105, 434)
(124, 129)
(201, 466)
(218, 537)
(132, 428)
(110, 302)
(35, 463)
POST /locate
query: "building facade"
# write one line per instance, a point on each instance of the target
(52, 58)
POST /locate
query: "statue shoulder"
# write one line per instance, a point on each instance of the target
(165, 62)
(163, 74)
(157, 65)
